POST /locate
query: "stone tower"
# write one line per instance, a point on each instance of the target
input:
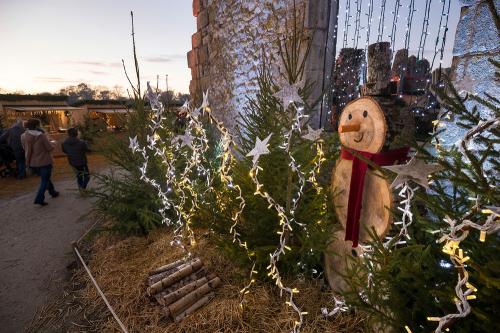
(477, 40)
(228, 44)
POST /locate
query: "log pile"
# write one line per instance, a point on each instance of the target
(182, 287)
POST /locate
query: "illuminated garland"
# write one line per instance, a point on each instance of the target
(288, 95)
(346, 23)
(286, 227)
(406, 194)
(153, 143)
(459, 232)
(225, 175)
(179, 184)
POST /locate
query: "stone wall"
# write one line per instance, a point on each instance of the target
(228, 45)
(477, 40)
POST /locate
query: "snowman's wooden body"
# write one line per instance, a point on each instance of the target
(362, 127)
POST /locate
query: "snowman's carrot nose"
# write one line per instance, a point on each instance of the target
(349, 128)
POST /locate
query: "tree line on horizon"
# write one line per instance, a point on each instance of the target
(85, 92)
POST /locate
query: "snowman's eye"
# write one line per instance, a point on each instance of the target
(365, 114)
(350, 116)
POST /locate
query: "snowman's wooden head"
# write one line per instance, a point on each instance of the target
(362, 125)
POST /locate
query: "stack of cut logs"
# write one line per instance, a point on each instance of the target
(182, 287)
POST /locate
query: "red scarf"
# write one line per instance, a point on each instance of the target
(359, 168)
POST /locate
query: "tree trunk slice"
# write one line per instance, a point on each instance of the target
(340, 255)
(175, 277)
(180, 305)
(376, 202)
(194, 307)
(369, 116)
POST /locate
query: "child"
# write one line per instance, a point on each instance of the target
(76, 150)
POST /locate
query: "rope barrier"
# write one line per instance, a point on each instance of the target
(110, 308)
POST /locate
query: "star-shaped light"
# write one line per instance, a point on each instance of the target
(152, 97)
(288, 94)
(259, 149)
(185, 105)
(152, 139)
(312, 135)
(416, 170)
(143, 169)
(195, 113)
(205, 103)
(185, 139)
(133, 143)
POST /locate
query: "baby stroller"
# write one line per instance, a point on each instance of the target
(6, 160)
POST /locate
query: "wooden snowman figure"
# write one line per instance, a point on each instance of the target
(362, 196)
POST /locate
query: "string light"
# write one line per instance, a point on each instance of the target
(285, 228)
(409, 23)
(153, 142)
(287, 216)
(346, 23)
(395, 18)
(457, 233)
(381, 21)
(357, 23)
(225, 175)
(425, 28)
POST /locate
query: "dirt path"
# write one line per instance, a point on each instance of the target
(35, 248)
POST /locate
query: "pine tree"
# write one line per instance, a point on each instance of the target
(266, 115)
(123, 195)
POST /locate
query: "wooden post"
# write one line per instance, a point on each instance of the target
(400, 63)
(379, 68)
(398, 72)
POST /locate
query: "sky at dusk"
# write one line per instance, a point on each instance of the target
(49, 44)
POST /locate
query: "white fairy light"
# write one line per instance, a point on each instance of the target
(225, 175)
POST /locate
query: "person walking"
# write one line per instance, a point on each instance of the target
(38, 150)
(13, 138)
(76, 150)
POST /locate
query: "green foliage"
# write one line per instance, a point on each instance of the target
(123, 195)
(413, 282)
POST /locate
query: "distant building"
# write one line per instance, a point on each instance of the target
(53, 111)
(56, 115)
(110, 113)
